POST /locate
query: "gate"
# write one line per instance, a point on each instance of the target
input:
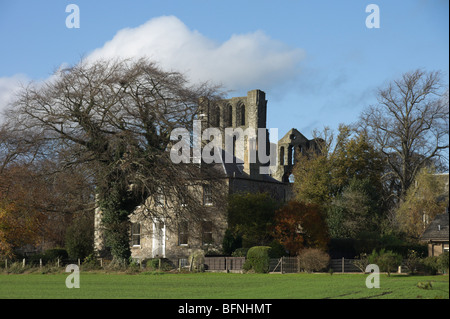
(284, 265)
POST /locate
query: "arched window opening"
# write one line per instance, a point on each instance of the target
(290, 160)
(282, 155)
(242, 114)
(215, 116)
(229, 116)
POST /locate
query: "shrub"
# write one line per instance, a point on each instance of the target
(413, 261)
(277, 250)
(91, 262)
(387, 260)
(425, 285)
(154, 264)
(430, 265)
(258, 259)
(313, 259)
(240, 252)
(443, 262)
(79, 240)
(231, 242)
(361, 261)
(54, 254)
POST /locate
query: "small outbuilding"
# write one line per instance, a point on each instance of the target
(436, 235)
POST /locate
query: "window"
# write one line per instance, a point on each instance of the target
(183, 235)
(229, 116)
(215, 116)
(135, 234)
(207, 195)
(183, 262)
(207, 238)
(282, 155)
(242, 114)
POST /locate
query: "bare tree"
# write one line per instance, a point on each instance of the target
(410, 124)
(117, 117)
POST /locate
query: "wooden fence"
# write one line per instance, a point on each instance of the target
(224, 263)
(343, 265)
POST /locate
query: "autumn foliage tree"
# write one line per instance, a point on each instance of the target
(298, 225)
(20, 223)
(426, 198)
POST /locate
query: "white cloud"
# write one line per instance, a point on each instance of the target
(245, 61)
(8, 89)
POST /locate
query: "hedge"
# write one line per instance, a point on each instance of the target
(258, 259)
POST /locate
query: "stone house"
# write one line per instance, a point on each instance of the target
(436, 235)
(158, 239)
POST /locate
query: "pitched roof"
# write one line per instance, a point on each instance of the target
(437, 229)
(236, 170)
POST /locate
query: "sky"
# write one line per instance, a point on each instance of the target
(317, 61)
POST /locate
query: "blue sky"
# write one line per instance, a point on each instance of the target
(316, 60)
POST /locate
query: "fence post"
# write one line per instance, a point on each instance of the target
(23, 263)
(191, 264)
(282, 264)
(40, 262)
(57, 262)
(6, 264)
(79, 262)
(343, 266)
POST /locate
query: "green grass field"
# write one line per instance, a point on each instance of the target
(219, 286)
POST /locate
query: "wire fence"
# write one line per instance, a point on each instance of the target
(284, 265)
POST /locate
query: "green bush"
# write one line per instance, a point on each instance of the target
(79, 240)
(425, 285)
(313, 259)
(387, 260)
(54, 254)
(430, 265)
(153, 264)
(258, 259)
(91, 263)
(277, 250)
(443, 262)
(240, 252)
(231, 242)
(413, 261)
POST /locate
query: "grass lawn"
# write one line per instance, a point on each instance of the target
(219, 286)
